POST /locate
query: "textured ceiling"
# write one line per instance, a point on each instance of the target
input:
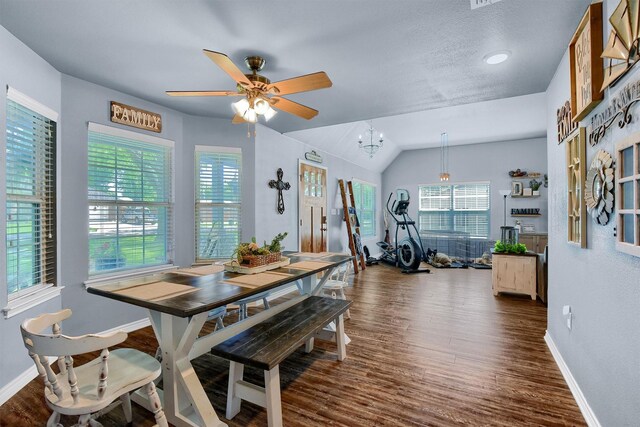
(385, 58)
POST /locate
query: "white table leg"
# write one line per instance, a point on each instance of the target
(185, 402)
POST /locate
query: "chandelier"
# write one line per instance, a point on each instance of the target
(444, 157)
(370, 146)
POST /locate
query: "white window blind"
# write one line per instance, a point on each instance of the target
(461, 208)
(365, 198)
(130, 200)
(218, 201)
(31, 195)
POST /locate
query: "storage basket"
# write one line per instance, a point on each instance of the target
(258, 260)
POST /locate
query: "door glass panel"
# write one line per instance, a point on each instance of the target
(627, 195)
(628, 228)
(306, 176)
(306, 189)
(313, 190)
(627, 162)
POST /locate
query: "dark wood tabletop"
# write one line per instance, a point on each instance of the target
(213, 291)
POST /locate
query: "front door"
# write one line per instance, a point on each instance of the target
(313, 208)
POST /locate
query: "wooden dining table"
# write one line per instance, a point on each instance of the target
(179, 303)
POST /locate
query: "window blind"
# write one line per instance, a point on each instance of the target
(365, 199)
(457, 207)
(130, 200)
(218, 201)
(31, 197)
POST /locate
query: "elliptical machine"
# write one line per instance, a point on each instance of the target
(408, 253)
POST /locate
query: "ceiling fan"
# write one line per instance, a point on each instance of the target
(260, 96)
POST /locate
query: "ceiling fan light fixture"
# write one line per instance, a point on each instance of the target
(241, 107)
(495, 58)
(261, 106)
(250, 116)
(268, 115)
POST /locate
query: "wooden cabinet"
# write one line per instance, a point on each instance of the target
(535, 242)
(515, 274)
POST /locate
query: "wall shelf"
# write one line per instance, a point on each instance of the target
(524, 197)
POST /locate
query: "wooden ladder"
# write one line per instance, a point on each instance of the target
(350, 230)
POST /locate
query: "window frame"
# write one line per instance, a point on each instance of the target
(34, 295)
(97, 277)
(633, 142)
(362, 183)
(215, 149)
(450, 216)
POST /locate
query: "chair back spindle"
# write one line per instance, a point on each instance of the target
(73, 380)
(55, 329)
(104, 373)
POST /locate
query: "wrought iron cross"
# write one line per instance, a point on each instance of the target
(279, 185)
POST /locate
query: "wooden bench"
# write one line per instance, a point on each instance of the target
(268, 343)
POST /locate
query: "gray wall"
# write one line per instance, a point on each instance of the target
(273, 151)
(22, 69)
(472, 163)
(602, 350)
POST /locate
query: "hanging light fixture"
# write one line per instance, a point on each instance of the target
(444, 157)
(370, 146)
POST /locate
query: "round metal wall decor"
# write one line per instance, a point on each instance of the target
(598, 193)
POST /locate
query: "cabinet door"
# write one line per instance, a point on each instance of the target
(526, 275)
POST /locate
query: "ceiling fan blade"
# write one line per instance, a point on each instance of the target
(314, 81)
(294, 108)
(228, 67)
(202, 93)
(237, 119)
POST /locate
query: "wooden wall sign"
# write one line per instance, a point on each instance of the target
(621, 51)
(585, 49)
(619, 105)
(313, 156)
(136, 117)
(566, 125)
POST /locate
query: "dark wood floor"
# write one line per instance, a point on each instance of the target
(426, 350)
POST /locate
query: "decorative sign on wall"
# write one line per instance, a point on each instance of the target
(576, 170)
(598, 191)
(313, 156)
(566, 125)
(619, 104)
(136, 117)
(621, 51)
(586, 66)
(279, 185)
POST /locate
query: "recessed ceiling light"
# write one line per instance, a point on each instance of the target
(498, 57)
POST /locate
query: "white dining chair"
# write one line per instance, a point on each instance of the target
(92, 389)
(334, 286)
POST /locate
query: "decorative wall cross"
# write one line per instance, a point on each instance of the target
(279, 185)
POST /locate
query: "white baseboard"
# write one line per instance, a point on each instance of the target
(18, 383)
(587, 412)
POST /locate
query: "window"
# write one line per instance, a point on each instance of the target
(365, 198)
(31, 195)
(455, 207)
(130, 200)
(218, 201)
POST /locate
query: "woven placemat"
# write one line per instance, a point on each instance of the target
(156, 291)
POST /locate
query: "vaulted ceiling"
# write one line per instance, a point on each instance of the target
(385, 58)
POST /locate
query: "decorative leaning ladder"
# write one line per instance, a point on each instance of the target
(351, 228)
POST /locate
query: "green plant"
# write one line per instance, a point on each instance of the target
(512, 248)
(276, 243)
(535, 184)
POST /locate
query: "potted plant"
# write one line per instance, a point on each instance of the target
(252, 255)
(535, 186)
